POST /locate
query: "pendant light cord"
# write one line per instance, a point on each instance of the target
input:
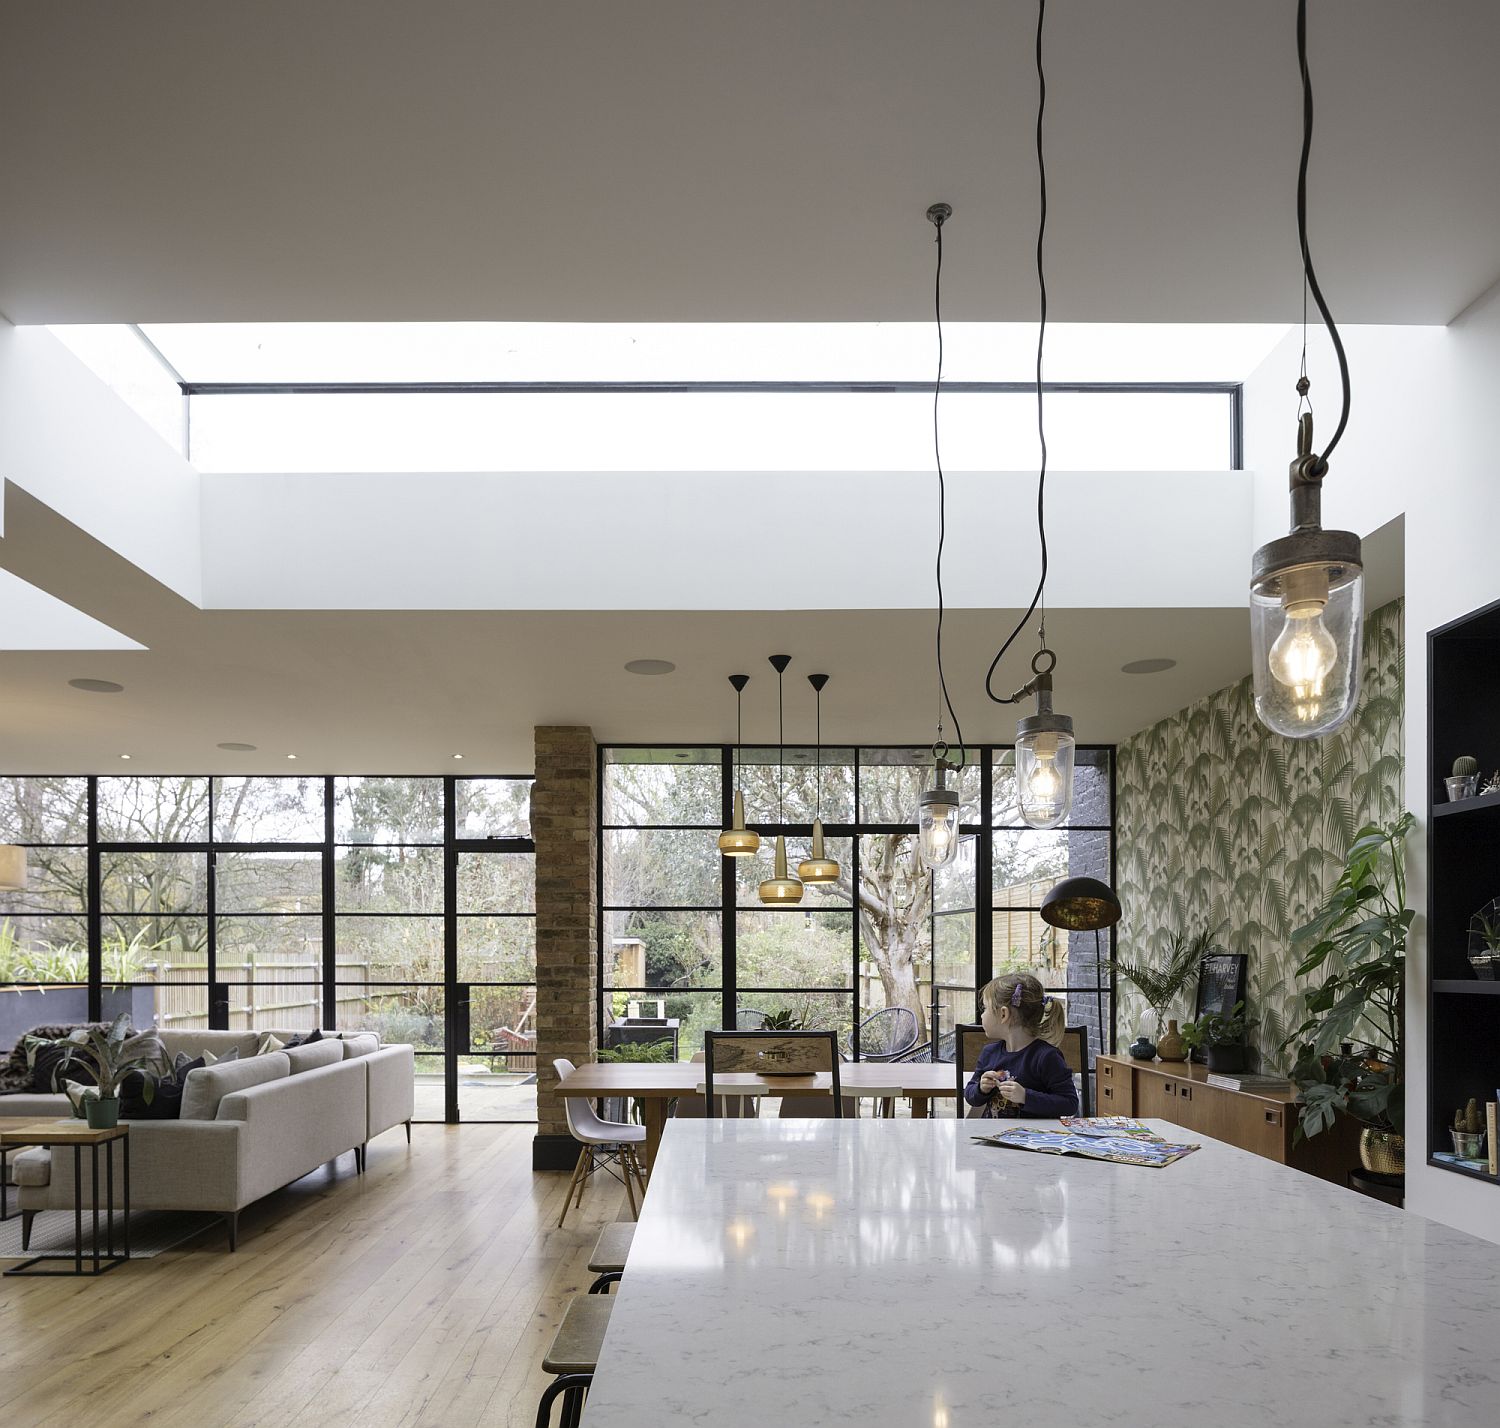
(780, 752)
(1041, 337)
(937, 455)
(1307, 262)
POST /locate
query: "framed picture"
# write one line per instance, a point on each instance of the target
(1221, 983)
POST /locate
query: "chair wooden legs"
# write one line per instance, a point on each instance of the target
(583, 1152)
(633, 1167)
(631, 1174)
(629, 1179)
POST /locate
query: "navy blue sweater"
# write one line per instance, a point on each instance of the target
(1040, 1068)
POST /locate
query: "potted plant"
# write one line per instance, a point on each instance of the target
(1349, 1045)
(1162, 982)
(1222, 1036)
(1484, 941)
(110, 1056)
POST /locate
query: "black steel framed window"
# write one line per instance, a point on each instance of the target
(682, 926)
(396, 903)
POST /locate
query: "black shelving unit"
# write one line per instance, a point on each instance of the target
(1463, 863)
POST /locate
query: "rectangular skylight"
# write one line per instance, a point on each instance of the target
(817, 397)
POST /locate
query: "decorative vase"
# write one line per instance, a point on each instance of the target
(102, 1113)
(1227, 1059)
(1382, 1152)
(1172, 1047)
(1143, 1048)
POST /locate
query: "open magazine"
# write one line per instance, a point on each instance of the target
(1109, 1126)
(1124, 1149)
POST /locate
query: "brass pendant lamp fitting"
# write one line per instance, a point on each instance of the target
(818, 869)
(1044, 740)
(737, 841)
(780, 889)
(1307, 589)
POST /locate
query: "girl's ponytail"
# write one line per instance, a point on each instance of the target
(1053, 1022)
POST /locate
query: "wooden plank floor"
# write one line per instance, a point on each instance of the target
(423, 1293)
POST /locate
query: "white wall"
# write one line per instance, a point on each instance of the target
(1422, 440)
(686, 541)
(73, 444)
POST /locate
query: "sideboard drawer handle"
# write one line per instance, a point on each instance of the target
(1273, 1118)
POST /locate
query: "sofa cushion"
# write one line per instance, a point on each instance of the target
(32, 1166)
(166, 1102)
(52, 1068)
(360, 1043)
(313, 1054)
(208, 1085)
(221, 1043)
(34, 1106)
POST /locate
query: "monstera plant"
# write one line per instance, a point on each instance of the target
(1349, 1045)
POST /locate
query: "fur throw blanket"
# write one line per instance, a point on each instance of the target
(15, 1074)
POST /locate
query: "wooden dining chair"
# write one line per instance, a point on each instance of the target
(1075, 1050)
(774, 1053)
(969, 1040)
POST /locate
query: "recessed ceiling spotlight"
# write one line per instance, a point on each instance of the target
(239, 748)
(650, 666)
(1148, 666)
(458, 756)
(96, 686)
(291, 756)
(124, 756)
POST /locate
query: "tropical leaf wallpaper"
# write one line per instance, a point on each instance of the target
(1224, 825)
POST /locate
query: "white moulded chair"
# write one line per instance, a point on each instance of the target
(603, 1145)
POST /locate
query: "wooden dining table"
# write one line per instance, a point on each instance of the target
(657, 1084)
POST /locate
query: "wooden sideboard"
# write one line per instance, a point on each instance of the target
(1179, 1091)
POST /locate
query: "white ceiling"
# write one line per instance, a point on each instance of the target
(372, 691)
(168, 160)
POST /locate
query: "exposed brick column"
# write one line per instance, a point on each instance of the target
(564, 823)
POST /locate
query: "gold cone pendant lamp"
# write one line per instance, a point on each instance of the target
(737, 841)
(818, 869)
(779, 889)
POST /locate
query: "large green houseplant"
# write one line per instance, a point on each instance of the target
(1349, 1046)
(110, 1056)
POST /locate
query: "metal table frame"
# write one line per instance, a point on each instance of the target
(102, 1264)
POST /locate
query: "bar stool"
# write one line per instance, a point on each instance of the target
(573, 1357)
(608, 1258)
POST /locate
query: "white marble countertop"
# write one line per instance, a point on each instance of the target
(895, 1273)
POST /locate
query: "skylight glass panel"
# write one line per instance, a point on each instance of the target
(708, 431)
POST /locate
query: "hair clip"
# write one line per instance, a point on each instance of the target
(1015, 996)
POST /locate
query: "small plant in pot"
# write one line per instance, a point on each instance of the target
(108, 1056)
(1161, 983)
(1222, 1036)
(1484, 941)
(1468, 1131)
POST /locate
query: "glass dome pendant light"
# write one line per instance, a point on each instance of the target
(818, 869)
(1044, 740)
(1307, 589)
(737, 841)
(779, 889)
(938, 806)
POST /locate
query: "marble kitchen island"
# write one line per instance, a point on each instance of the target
(878, 1272)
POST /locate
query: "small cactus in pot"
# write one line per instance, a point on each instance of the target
(1468, 1131)
(1463, 782)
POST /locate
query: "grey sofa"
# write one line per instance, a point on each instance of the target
(248, 1126)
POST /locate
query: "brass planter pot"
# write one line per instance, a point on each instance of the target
(1382, 1152)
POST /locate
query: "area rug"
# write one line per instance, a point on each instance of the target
(151, 1232)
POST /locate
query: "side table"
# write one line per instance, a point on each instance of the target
(63, 1133)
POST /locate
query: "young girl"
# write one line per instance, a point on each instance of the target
(1021, 1072)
